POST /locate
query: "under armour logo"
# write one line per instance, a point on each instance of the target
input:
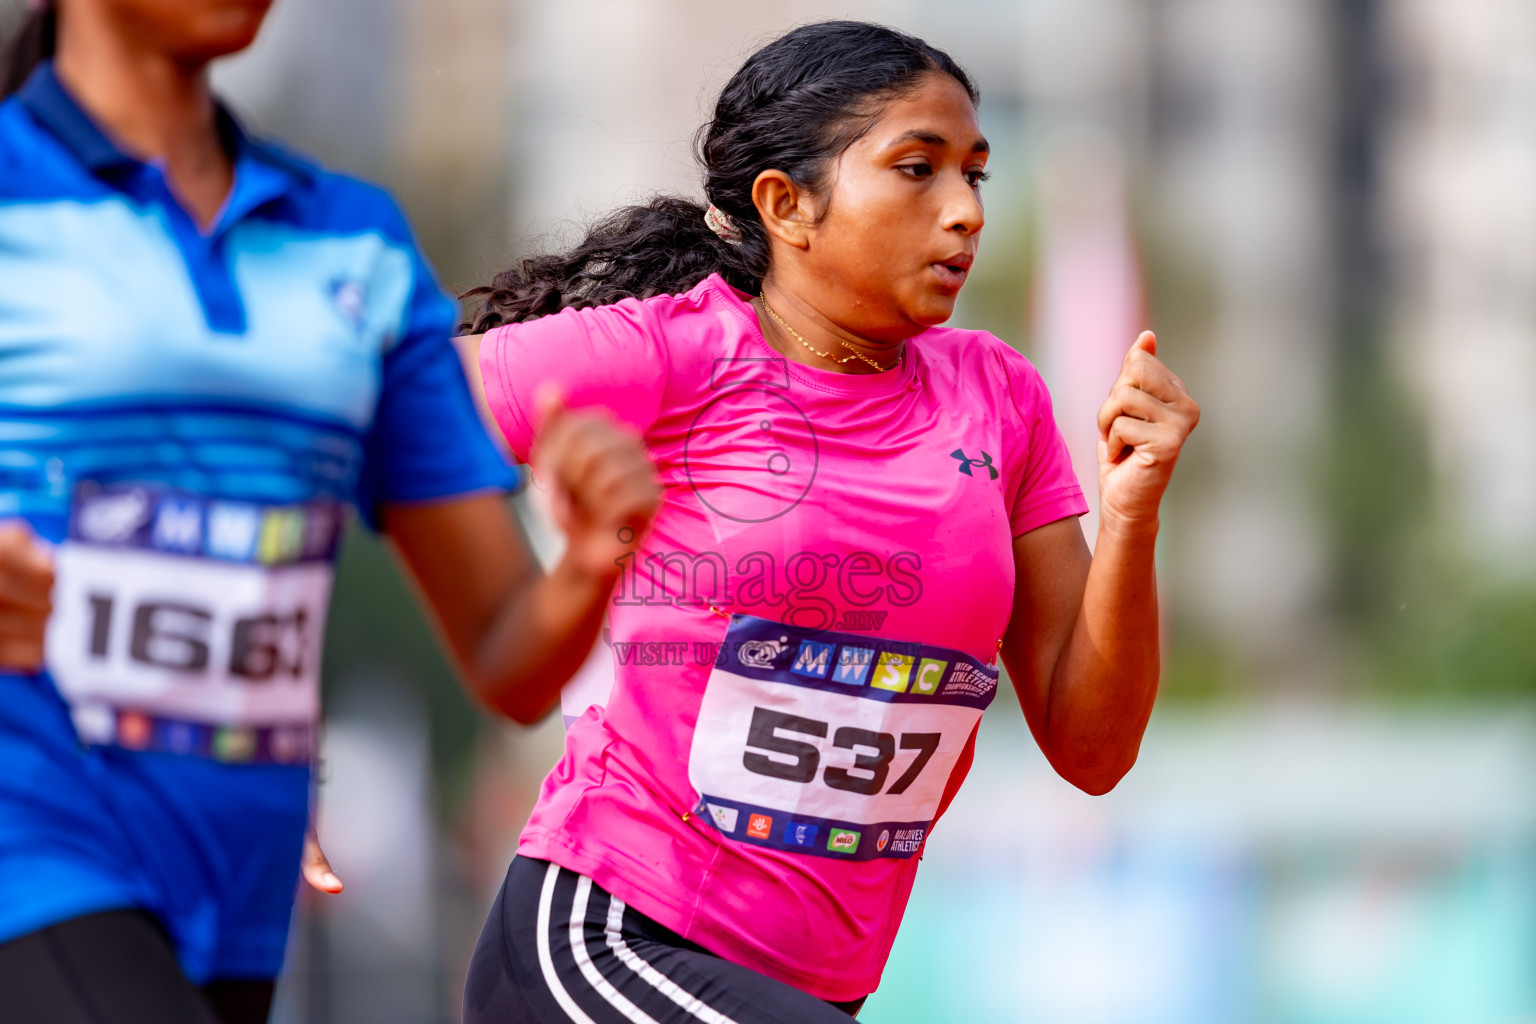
(967, 463)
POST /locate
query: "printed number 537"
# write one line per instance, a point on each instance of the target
(873, 753)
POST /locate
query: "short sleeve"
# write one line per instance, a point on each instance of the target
(1047, 488)
(427, 442)
(611, 357)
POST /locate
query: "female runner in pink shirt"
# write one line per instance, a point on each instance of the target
(863, 511)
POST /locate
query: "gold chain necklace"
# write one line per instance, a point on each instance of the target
(827, 355)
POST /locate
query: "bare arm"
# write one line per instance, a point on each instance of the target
(1082, 646)
(473, 571)
(515, 634)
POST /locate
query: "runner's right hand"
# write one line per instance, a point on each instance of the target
(316, 867)
(26, 597)
(604, 488)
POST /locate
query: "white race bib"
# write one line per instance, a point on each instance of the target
(191, 610)
(829, 743)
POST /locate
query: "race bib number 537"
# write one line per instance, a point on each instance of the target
(196, 610)
(832, 744)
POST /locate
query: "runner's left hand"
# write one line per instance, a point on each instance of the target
(1142, 428)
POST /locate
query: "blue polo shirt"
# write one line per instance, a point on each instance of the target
(293, 356)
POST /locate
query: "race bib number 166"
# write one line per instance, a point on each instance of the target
(196, 610)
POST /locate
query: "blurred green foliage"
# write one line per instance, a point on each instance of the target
(1465, 639)
(1420, 619)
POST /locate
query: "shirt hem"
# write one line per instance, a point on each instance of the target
(259, 957)
(22, 925)
(680, 917)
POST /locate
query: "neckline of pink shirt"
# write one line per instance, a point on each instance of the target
(863, 384)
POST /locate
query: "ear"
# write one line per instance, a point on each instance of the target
(784, 208)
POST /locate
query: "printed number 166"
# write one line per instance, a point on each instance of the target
(764, 734)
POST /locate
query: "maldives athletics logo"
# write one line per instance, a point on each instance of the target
(883, 841)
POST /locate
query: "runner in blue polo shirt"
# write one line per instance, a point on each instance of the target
(208, 349)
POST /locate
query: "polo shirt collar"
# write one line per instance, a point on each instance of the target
(55, 109)
(266, 173)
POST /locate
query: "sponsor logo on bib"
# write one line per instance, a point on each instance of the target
(891, 672)
(234, 744)
(113, 518)
(853, 664)
(929, 672)
(725, 817)
(967, 680)
(134, 730)
(907, 840)
(179, 523)
(843, 841)
(799, 833)
(761, 653)
(814, 659)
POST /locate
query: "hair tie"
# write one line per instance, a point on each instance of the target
(721, 224)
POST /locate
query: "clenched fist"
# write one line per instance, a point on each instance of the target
(1142, 428)
(26, 589)
(603, 486)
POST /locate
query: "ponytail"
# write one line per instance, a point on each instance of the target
(33, 45)
(661, 248)
(794, 106)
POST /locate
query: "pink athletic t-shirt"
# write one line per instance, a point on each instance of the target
(806, 642)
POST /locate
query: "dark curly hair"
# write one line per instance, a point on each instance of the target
(793, 106)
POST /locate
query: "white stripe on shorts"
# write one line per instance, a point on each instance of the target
(546, 962)
(660, 982)
(589, 970)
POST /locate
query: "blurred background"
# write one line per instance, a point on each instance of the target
(1327, 210)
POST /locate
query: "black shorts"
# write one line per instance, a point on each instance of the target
(557, 949)
(116, 967)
